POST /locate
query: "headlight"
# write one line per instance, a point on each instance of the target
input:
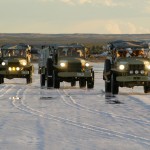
(148, 67)
(9, 68)
(17, 68)
(63, 64)
(121, 67)
(136, 71)
(23, 62)
(131, 71)
(142, 71)
(87, 64)
(3, 63)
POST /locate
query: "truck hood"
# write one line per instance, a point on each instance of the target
(73, 60)
(13, 59)
(134, 61)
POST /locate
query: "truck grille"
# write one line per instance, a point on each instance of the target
(74, 67)
(14, 64)
(136, 67)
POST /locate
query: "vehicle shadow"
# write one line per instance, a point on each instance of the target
(112, 99)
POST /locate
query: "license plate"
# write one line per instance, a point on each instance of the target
(25, 72)
(80, 74)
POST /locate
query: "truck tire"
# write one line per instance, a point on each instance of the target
(42, 80)
(114, 84)
(82, 82)
(73, 83)
(29, 77)
(1, 80)
(146, 88)
(90, 81)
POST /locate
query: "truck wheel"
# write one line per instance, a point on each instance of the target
(29, 79)
(90, 81)
(56, 81)
(73, 83)
(49, 82)
(1, 80)
(114, 84)
(42, 79)
(146, 89)
(82, 83)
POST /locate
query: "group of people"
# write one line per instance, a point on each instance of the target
(71, 52)
(130, 53)
(11, 53)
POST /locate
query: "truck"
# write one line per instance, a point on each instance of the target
(59, 62)
(15, 62)
(127, 65)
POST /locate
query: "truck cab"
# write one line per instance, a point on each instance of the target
(127, 65)
(68, 63)
(15, 62)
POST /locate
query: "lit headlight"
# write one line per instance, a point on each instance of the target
(142, 71)
(23, 62)
(131, 72)
(9, 68)
(148, 67)
(63, 64)
(136, 71)
(3, 63)
(121, 67)
(17, 68)
(87, 64)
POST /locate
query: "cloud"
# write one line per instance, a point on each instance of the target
(113, 27)
(109, 3)
(125, 28)
(76, 2)
(106, 27)
(146, 9)
(46, 0)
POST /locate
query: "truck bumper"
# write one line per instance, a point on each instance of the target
(7, 73)
(133, 78)
(75, 74)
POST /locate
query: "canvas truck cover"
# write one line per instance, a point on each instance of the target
(128, 44)
(18, 47)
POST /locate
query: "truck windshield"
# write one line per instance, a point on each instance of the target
(71, 52)
(13, 53)
(145, 53)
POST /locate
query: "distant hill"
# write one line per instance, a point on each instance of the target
(87, 39)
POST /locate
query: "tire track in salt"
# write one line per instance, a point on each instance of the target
(77, 105)
(19, 104)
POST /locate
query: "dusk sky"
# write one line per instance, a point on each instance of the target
(75, 16)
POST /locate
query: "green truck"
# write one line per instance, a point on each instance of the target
(15, 62)
(127, 65)
(68, 63)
